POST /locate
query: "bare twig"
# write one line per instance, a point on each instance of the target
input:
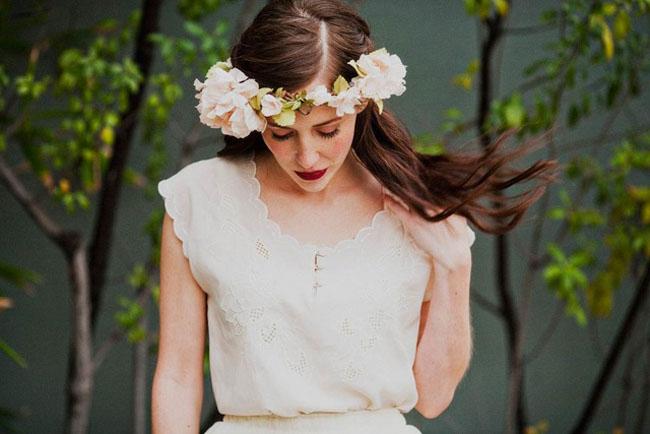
(644, 402)
(117, 334)
(43, 220)
(635, 351)
(529, 30)
(639, 298)
(551, 326)
(483, 302)
(528, 282)
(515, 417)
(600, 139)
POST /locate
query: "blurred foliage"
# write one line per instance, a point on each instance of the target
(618, 222)
(596, 64)
(600, 66)
(23, 279)
(484, 8)
(63, 123)
(540, 427)
(64, 100)
(195, 10)
(465, 79)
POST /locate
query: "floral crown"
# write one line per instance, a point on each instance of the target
(230, 100)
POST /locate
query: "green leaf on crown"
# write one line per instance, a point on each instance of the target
(340, 85)
(285, 118)
(380, 104)
(256, 101)
(356, 67)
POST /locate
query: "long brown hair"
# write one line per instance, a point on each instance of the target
(283, 48)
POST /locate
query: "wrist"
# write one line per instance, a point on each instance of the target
(458, 263)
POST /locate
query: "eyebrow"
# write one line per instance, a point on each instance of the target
(317, 125)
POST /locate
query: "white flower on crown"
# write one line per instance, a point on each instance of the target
(243, 121)
(382, 75)
(233, 102)
(223, 101)
(345, 101)
(271, 105)
(319, 95)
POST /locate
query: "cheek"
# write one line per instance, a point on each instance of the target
(280, 150)
(340, 146)
(342, 143)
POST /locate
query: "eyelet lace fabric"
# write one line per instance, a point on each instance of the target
(278, 346)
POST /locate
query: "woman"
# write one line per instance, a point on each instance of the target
(326, 261)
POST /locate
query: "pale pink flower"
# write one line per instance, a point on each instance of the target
(271, 105)
(223, 101)
(384, 75)
(243, 121)
(319, 95)
(345, 101)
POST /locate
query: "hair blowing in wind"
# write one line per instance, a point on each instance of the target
(291, 42)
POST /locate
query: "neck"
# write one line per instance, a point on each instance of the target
(350, 175)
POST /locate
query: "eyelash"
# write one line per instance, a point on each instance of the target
(325, 135)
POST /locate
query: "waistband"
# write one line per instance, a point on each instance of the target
(381, 421)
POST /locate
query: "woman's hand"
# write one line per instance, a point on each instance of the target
(446, 242)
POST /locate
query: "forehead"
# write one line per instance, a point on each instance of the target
(318, 116)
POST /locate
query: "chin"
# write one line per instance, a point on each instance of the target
(313, 186)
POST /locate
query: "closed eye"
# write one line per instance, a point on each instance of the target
(329, 135)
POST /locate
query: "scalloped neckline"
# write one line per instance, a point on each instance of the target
(278, 232)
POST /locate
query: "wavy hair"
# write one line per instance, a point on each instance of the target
(283, 47)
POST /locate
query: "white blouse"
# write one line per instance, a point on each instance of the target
(296, 328)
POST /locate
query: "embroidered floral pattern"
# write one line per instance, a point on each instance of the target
(266, 320)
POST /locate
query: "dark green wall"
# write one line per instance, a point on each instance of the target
(436, 40)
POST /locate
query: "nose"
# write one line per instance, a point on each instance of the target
(307, 158)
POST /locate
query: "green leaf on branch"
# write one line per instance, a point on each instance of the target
(514, 112)
(13, 355)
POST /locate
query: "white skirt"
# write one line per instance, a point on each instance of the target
(382, 421)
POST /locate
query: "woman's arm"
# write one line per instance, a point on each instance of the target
(445, 340)
(177, 391)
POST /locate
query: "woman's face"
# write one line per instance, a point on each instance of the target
(315, 142)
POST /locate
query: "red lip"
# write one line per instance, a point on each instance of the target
(310, 176)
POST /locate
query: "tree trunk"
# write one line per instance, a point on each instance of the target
(80, 363)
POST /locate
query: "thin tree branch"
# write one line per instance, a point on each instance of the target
(528, 282)
(600, 139)
(117, 334)
(66, 240)
(644, 402)
(112, 183)
(547, 334)
(598, 389)
(635, 351)
(528, 30)
(483, 302)
(515, 409)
